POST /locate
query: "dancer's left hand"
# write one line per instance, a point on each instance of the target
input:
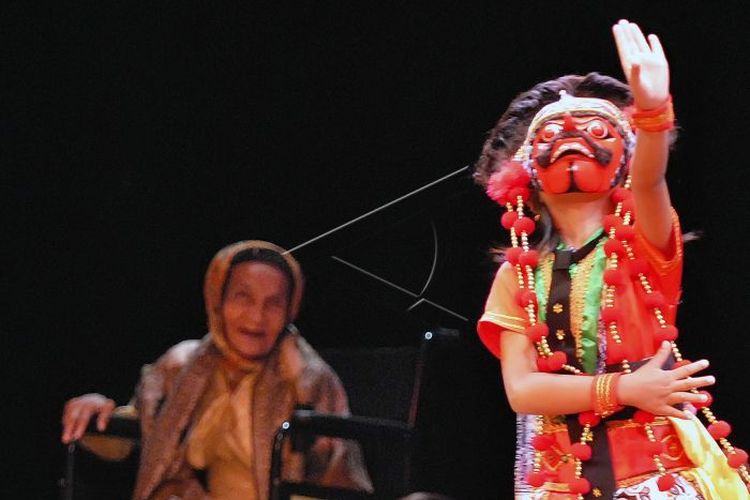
(644, 64)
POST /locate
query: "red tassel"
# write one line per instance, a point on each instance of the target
(666, 482)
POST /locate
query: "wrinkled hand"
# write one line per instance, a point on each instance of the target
(643, 63)
(655, 390)
(78, 411)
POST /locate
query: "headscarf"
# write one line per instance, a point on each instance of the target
(213, 291)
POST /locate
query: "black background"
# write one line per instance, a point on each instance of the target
(137, 141)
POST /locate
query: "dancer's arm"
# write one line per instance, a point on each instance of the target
(647, 72)
(649, 388)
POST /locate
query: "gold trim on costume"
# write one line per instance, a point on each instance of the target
(512, 323)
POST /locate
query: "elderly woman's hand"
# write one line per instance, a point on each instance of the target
(78, 411)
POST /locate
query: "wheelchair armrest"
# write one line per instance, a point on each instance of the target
(119, 426)
(347, 427)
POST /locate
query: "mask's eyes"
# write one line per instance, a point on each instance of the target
(597, 130)
(550, 131)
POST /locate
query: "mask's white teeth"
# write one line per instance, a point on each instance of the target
(572, 146)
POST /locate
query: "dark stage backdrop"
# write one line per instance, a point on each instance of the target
(138, 141)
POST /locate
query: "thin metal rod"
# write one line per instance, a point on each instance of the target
(375, 276)
(378, 209)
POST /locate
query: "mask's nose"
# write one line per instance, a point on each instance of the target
(568, 123)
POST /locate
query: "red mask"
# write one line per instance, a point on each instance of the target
(577, 153)
(578, 145)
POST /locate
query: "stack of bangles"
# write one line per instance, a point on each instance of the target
(604, 394)
(659, 119)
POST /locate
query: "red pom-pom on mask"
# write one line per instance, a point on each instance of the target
(505, 182)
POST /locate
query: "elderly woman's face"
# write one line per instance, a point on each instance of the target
(255, 308)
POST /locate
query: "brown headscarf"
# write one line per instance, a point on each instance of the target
(213, 290)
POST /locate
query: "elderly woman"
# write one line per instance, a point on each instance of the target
(209, 408)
